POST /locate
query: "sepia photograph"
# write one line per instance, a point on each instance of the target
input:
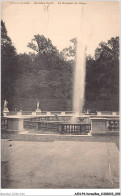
(60, 95)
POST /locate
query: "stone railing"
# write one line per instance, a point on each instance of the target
(29, 124)
(48, 113)
(82, 129)
(26, 113)
(113, 125)
(12, 113)
(62, 113)
(103, 113)
(58, 127)
(60, 122)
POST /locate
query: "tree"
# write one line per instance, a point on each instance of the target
(69, 53)
(8, 64)
(102, 77)
(43, 76)
(109, 50)
(25, 63)
(42, 45)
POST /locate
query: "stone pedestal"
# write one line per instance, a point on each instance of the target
(114, 113)
(76, 114)
(63, 113)
(99, 113)
(38, 110)
(15, 124)
(48, 113)
(5, 112)
(19, 113)
(33, 113)
(98, 126)
(87, 112)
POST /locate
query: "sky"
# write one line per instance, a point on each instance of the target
(61, 21)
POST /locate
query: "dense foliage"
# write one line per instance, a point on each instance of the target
(102, 77)
(46, 75)
(8, 65)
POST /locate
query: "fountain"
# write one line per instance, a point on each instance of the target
(75, 123)
(79, 72)
(79, 79)
(63, 122)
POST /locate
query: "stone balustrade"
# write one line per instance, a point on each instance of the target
(58, 127)
(99, 124)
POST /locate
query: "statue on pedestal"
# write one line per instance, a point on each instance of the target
(5, 109)
(38, 110)
(37, 105)
(5, 104)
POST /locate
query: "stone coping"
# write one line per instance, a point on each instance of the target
(98, 118)
(18, 117)
(65, 115)
(104, 115)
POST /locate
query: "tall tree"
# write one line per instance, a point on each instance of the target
(69, 53)
(42, 45)
(44, 75)
(8, 64)
(102, 78)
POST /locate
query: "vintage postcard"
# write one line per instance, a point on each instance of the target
(60, 97)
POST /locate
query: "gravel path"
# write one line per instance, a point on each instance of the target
(59, 164)
(36, 137)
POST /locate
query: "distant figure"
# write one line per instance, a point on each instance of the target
(38, 105)
(38, 110)
(5, 104)
(5, 109)
(87, 111)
